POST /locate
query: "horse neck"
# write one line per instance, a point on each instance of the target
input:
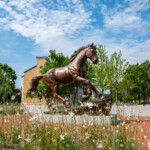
(80, 59)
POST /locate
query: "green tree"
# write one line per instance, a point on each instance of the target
(145, 79)
(7, 82)
(132, 76)
(115, 69)
(138, 78)
(100, 69)
(90, 70)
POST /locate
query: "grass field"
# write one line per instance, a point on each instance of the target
(22, 131)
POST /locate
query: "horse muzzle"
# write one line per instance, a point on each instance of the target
(95, 61)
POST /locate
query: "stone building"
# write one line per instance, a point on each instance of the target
(28, 75)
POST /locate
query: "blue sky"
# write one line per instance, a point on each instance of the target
(30, 28)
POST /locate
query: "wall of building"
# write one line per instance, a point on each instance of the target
(28, 75)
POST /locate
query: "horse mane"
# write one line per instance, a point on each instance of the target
(79, 50)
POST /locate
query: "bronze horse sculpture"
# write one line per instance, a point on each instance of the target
(73, 72)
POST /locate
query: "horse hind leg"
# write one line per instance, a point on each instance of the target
(53, 85)
(35, 82)
(47, 97)
(55, 92)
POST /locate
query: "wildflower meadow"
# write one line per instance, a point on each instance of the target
(23, 131)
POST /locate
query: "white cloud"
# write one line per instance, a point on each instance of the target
(132, 50)
(57, 24)
(129, 18)
(67, 25)
(26, 16)
(46, 25)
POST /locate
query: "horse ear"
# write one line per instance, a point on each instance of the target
(92, 45)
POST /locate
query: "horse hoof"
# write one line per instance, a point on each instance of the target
(68, 105)
(102, 98)
(65, 111)
(84, 97)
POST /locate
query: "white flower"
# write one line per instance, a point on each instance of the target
(87, 137)
(117, 131)
(123, 122)
(53, 106)
(65, 134)
(28, 140)
(55, 128)
(33, 118)
(100, 145)
(145, 136)
(71, 114)
(67, 145)
(108, 107)
(100, 110)
(32, 92)
(90, 105)
(142, 130)
(62, 137)
(19, 136)
(121, 145)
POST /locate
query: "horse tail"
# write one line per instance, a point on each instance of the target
(35, 82)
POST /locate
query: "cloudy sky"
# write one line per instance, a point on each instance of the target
(30, 28)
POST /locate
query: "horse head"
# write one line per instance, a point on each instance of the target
(91, 53)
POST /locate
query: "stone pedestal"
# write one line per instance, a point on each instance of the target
(78, 119)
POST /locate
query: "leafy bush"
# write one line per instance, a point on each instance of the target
(10, 109)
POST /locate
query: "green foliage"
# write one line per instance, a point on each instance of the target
(90, 69)
(100, 69)
(10, 109)
(54, 60)
(109, 71)
(136, 81)
(115, 70)
(90, 100)
(7, 82)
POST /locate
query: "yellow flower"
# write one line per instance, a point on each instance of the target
(149, 143)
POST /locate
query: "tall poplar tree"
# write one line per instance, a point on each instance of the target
(100, 69)
(115, 69)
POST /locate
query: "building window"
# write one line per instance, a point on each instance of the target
(41, 67)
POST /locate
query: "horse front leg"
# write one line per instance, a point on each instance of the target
(82, 80)
(99, 94)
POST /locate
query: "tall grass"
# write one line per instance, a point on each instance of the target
(10, 109)
(23, 132)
